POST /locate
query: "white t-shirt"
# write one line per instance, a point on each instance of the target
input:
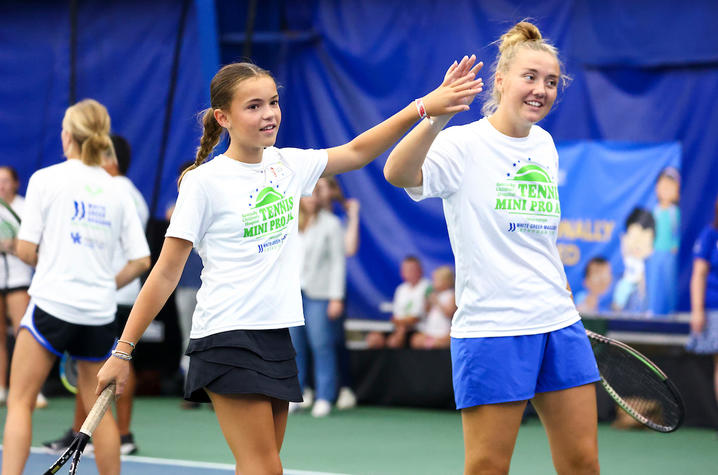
(242, 218)
(78, 217)
(502, 212)
(14, 273)
(437, 324)
(410, 301)
(128, 294)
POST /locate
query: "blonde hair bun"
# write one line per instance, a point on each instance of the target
(520, 32)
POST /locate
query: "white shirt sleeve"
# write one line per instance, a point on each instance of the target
(442, 170)
(132, 236)
(32, 220)
(193, 211)
(311, 166)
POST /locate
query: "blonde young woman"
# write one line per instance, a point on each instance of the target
(240, 212)
(516, 335)
(75, 218)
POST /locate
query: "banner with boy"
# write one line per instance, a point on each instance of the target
(620, 226)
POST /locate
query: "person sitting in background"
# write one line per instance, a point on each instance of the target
(441, 305)
(597, 281)
(409, 306)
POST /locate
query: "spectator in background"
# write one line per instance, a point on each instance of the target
(322, 281)
(441, 305)
(409, 306)
(185, 296)
(662, 269)
(629, 296)
(704, 296)
(15, 278)
(332, 199)
(597, 279)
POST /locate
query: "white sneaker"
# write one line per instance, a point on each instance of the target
(41, 402)
(321, 408)
(346, 399)
(294, 407)
(308, 397)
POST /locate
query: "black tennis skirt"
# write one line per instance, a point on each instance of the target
(243, 362)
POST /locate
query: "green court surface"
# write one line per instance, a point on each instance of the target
(375, 440)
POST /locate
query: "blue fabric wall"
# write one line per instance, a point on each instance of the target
(124, 59)
(643, 71)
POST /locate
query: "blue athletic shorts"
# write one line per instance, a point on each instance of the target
(492, 370)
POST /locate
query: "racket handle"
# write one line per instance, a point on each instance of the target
(98, 410)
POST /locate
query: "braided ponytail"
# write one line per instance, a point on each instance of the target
(211, 133)
(221, 91)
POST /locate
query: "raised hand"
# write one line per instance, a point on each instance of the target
(457, 90)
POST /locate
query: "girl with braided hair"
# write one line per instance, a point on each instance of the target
(240, 212)
(516, 335)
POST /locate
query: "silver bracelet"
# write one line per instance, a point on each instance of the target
(121, 355)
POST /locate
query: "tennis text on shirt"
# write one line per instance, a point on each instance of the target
(530, 196)
(502, 212)
(242, 219)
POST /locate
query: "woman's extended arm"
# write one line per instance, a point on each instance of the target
(403, 168)
(449, 98)
(159, 286)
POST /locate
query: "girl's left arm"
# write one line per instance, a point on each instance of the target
(448, 98)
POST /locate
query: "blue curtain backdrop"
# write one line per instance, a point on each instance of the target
(643, 71)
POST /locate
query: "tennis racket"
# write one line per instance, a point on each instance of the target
(9, 226)
(88, 427)
(68, 372)
(637, 385)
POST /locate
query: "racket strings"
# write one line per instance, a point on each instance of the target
(641, 389)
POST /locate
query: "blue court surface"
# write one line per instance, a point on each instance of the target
(40, 460)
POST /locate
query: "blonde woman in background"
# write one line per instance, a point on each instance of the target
(75, 218)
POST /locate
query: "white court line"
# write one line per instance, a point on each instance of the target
(182, 463)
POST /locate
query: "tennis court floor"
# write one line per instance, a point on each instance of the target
(366, 440)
